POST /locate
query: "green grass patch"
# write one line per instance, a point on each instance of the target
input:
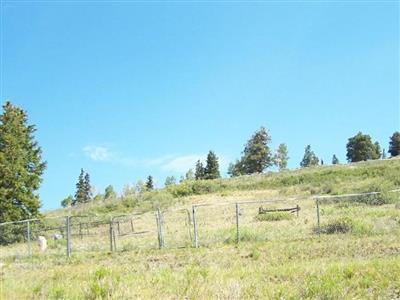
(274, 216)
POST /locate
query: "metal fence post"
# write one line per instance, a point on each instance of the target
(158, 229)
(111, 233)
(318, 221)
(196, 236)
(68, 233)
(28, 229)
(161, 218)
(237, 223)
(160, 232)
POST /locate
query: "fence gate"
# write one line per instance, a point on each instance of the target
(135, 231)
(176, 228)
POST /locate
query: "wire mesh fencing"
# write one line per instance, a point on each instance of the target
(33, 236)
(252, 221)
(134, 231)
(214, 224)
(176, 228)
(88, 234)
(373, 213)
(206, 225)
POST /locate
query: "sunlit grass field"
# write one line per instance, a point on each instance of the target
(356, 254)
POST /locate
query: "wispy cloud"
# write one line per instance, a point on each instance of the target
(98, 153)
(166, 163)
(181, 164)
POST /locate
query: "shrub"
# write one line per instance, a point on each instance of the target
(342, 225)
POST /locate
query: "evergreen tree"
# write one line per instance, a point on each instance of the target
(83, 192)
(199, 172)
(322, 162)
(212, 168)
(149, 183)
(394, 144)
(170, 180)
(67, 202)
(235, 169)
(360, 147)
(21, 166)
(335, 160)
(256, 155)
(109, 193)
(87, 188)
(281, 157)
(309, 158)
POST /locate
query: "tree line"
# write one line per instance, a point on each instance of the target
(22, 166)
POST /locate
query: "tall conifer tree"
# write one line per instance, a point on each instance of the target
(21, 166)
(150, 183)
(212, 167)
(394, 144)
(199, 172)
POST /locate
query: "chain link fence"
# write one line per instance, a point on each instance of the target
(373, 213)
(205, 225)
(21, 238)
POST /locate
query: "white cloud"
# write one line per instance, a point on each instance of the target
(97, 153)
(181, 163)
(167, 163)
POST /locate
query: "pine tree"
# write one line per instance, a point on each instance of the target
(87, 188)
(80, 195)
(212, 167)
(335, 160)
(199, 172)
(281, 157)
(360, 147)
(394, 144)
(21, 166)
(149, 183)
(309, 158)
(257, 154)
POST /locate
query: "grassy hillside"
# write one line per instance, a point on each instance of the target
(280, 255)
(360, 177)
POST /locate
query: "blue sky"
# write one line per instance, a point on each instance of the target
(128, 89)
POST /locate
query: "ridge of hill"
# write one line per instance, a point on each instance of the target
(368, 176)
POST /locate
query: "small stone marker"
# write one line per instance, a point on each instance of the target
(42, 242)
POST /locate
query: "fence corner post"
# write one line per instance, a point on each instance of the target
(237, 223)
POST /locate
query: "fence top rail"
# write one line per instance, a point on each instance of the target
(246, 202)
(31, 220)
(18, 222)
(352, 195)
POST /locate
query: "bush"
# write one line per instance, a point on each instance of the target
(12, 233)
(274, 216)
(342, 225)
